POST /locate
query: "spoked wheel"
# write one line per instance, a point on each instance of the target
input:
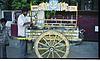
(51, 44)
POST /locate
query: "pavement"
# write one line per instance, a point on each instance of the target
(85, 50)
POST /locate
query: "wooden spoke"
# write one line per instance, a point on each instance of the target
(42, 48)
(58, 42)
(48, 54)
(60, 46)
(57, 54)
(43, 44)
(46, 41)
(60, 51)
(52, 54)
(45, 53)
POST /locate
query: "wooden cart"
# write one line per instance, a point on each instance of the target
(52, 36)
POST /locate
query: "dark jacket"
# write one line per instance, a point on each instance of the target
(3, 36)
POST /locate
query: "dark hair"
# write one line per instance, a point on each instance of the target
(25, 9)
(3, 20)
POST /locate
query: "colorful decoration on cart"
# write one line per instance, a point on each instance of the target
(54, 5)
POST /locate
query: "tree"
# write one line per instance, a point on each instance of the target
(8, 5)
(19, 4)
(3, 4)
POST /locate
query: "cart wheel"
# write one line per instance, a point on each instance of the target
(51, 44)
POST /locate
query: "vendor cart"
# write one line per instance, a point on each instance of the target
(52, 36)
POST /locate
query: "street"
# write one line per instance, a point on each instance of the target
(85, 50)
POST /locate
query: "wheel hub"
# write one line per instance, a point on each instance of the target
(51, 49)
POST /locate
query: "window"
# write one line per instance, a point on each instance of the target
(8, 16)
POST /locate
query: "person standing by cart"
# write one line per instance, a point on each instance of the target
(22, 22)
(3, 38)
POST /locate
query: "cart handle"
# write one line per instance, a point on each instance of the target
(21, 38)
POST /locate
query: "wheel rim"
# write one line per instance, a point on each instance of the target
(51, 44)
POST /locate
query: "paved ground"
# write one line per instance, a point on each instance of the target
(85, 50)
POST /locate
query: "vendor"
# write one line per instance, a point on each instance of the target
(22, 22)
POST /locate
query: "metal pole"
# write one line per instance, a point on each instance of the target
(31, 10)
(77, 13)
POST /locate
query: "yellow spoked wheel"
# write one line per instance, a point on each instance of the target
(51, 44)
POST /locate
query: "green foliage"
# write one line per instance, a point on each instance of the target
(5, 4)
(50, 14)
(19, 4)
(73, 2)
(47, 14)
(16, 4)
(53, 13)
(36, 2)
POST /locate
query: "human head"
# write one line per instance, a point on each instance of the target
(25, 11)
(3, 21)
